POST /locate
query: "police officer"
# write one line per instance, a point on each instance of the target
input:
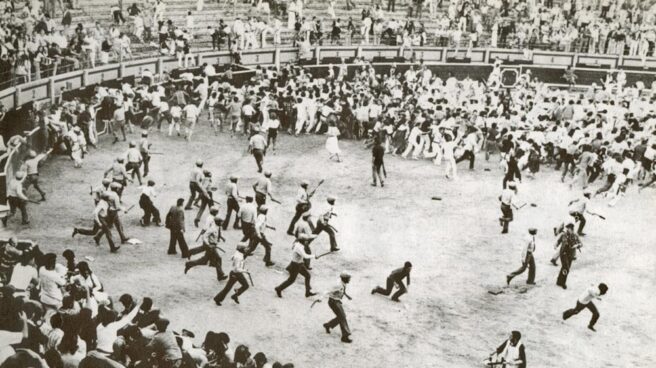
(195, 182)
(247, 214)
(236, 275)
(101, 224)
(296, 267)
(97, 193)
(335, 296)
(569, 243)
(32, 170)
(259, 236)
(16, 198)
(146, 203)
(233, 202)
(257, 146)
(527, 259)
(119, 175)
(134, 161)
(324, 225)
(302, 206)
(210, 247)
(144, 148)
(205, 195)
(262, 188)
(114, 208)
(395, 278)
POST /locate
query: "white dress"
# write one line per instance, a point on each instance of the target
(332, 144)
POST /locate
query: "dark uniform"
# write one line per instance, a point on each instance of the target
(210, 247)
(395, 278)
(195, 180)
(302, 205)
(569, 243)
(233, 203)
(296, 267)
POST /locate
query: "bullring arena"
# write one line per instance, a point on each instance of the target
(444, 218)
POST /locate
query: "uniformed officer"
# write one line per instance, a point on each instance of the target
(134, 161)
(335, 296)
(527, 259)
(259, 237)
(101, 224)
(262, 188)
(324, 225)
(32, 169)
(247, 214)
(195, 182)
(233, 202)
(302, 206)
(296, 267)
(16, 198)
(97, 193)
(205, 195)
(114, 208)
(237, 274)
(148, 194)
(119, 175)
(257, 146)
(395, 278)
(569, 243)
(210, 247)
(506, 199)
(208, 222)
(144, 148)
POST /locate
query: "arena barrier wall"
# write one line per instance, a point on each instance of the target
(476, 63)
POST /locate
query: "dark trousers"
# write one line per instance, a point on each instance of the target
(16, 203)
(390, 286)
(328, 229)
(33, 179)
(340, 317)
(150, 211)
(177, 237)
(210, 257)
(100, 229)
(255, 241)
(376, 173)
(235, 277)
(248, 230)
(468, 155)
(506, 217)
(529, 263)
(134, 167)
(578, 216)
(233, 205)
(204, 203)
(258, 154)
(579, 307)
(260, 198)
(294, 270)
(301, 208)
(565, 264)
(610, 180)
(390, 5)
(145, 159)
(194, 189)
(115, 220)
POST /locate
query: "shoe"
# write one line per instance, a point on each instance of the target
(186, 268)
(279, 293)
(346, 340)
(43, 198)
(373, 291)
(395, 300)
(217, 302)
(325, 326)
(373, 184)
(221, 278)
(508, 278)
(141, 222)
(4, 221)
(591, 328)
(269, 264)
(187, 208)
(172, 253)
(97, 241)
(123, 241)
(25, 222)
(115, 249)
(554, 263)
(290, 233)
(382, 184)
(196, 221)
(555, 232)
(581, 234)
(74, 232)
(530, 283)
(335, 250)
(235, 298)
(309, 294)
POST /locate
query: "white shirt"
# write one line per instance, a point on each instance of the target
(50, 281)
(590, 294)
(22, 276)
(106, 335)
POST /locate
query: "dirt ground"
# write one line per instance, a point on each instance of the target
(447, 319)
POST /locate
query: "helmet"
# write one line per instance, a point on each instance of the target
(199, 163)
(345, 275)
(263, 208)
(106, 181)
(267, 173)
(218, 220)
(32, 154)
(234, 177)
(305, 183)
(133, 144)
(119, 159)
(331, 199)
(214, 211)
(20, 175)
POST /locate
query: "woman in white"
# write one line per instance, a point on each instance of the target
(291, 15)
(331, 9)
(449, 145)
(332, 143)
(89, 280)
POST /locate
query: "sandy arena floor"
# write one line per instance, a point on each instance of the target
(447, 319)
